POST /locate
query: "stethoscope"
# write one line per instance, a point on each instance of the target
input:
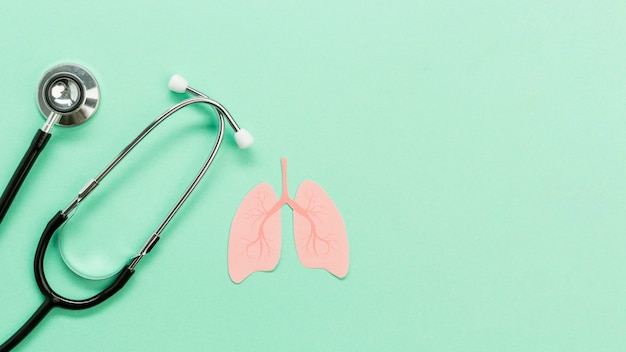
(53, 299)
(68, 95)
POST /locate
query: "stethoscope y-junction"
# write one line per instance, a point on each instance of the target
(53, 299)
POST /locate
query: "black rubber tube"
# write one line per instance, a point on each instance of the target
(57, 299)
(53, 299)
(36, 146)
(34, 320)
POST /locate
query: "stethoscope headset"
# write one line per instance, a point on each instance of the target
(68, 95)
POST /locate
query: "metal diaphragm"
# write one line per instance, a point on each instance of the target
(68, 90)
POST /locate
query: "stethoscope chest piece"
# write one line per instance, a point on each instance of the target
(68, 90)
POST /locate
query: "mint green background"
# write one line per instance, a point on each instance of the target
(474, 148)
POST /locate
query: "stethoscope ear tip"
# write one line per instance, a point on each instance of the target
(178, 84)
(243, 138)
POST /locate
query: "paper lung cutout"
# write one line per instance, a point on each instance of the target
(320, 235)
(255, 235)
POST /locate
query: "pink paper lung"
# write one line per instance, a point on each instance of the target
(255, 234)
(320, 234)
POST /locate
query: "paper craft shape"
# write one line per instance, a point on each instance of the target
(255, 236)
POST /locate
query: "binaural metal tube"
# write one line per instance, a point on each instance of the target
(95, 181)
(230, 120)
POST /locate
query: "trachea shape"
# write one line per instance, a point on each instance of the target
(255, 235)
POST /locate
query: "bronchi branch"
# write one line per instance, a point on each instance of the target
(314, 237)
(307, 213)
(261, 240)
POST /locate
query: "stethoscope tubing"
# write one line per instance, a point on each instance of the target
(53, 299)
(28, 160)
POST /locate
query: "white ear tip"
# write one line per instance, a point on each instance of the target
(243, 138)
(178, 84)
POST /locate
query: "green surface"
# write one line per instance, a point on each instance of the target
(474, 149)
